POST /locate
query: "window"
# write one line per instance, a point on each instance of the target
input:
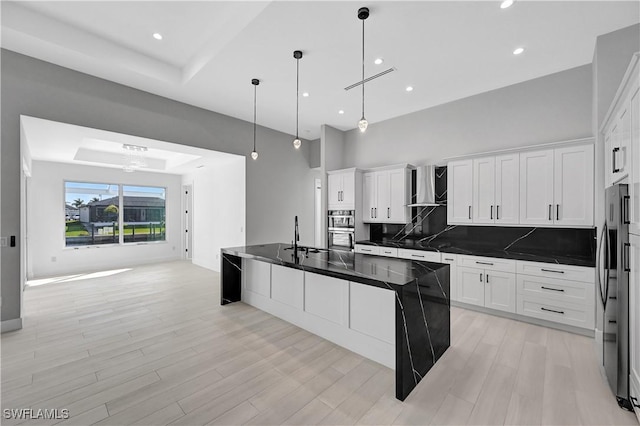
(101, 213)
(143, 213)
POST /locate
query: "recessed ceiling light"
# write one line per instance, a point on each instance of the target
(518, 51)
(305, 94)
(157, 36)
(505, 4)
(378, 61)
(341, 112)
(409, 89)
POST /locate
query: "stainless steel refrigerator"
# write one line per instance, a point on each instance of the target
(613, 278)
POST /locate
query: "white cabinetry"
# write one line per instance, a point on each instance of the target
(495, 189)
(459, 192)
(342, 189)
(386, 194)
(421, 255)
(366, 249)
(556, 186)
(487, 282)
(559, 293)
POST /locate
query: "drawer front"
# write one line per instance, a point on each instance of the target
(575, 315)
(427, 256)
(553, 270)
(359, 248)
(449, 258)
(487, 263)
(389, 251)
(555, 290)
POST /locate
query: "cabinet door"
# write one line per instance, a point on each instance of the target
(335, 186)
(536, 187)
(383, 196)
(348, 194)
(573, 186)
(484, 186)
(368, 197)
(398, 196)
(500, 291)
(634, 317)
(471, 285)
(459, 191)
(634, 188)
(507, 189)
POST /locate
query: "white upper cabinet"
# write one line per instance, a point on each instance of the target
(495, 189)
(386, 195)
(536, 187)
(342, 190)
(507, 189)
(459, 192)
(573, 185)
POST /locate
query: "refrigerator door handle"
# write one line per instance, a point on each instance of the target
(625, 257)
(625, 210)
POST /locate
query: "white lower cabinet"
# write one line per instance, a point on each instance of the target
(388, 251)
(425, 256)
(559, 293)
(486, 287)
(364, 249)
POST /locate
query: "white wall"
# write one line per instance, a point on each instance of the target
(218, 197)
(45, 221)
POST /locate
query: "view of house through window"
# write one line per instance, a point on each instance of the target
(92, 214)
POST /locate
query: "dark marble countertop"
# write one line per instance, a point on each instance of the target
(373, 270)
(479, 250)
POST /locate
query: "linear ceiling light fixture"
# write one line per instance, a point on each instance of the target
(255, 82)
(363, 14)
(297, 54)
(133, 158)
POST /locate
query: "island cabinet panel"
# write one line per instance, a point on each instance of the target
(326, 297)
(257, 277)
(287, 286)
(372, 311)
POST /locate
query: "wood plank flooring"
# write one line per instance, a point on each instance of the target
(151, 345)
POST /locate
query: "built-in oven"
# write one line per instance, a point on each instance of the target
(341, 229)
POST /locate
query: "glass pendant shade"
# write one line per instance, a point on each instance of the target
(254, 155)
(362, 124)
(296, 143)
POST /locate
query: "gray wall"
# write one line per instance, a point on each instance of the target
(547, 109)
(279, 184)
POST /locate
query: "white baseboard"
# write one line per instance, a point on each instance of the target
(11, 325)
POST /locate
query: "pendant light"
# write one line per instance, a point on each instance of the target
(363, 14)
(255, 82)
(297, 54)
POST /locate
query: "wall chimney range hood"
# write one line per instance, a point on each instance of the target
(425, 189)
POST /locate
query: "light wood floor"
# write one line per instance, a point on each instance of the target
(153, 346)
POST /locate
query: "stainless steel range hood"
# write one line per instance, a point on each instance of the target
(425, 187)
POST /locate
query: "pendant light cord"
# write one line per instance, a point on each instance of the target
(363, 68)
(254, 116)
(297, 93)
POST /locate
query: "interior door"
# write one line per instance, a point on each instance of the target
(536, 187)
(507, 189)
(484, 184)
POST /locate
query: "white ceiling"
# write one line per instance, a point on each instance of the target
(67, 143)
(211, 50)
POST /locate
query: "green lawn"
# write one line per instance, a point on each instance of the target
(75, 229)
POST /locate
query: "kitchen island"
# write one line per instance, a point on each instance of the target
(393, 311)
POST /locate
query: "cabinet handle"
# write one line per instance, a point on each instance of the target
(551, 310)
(554, 289)
(550, 207)
(491, 215)
(375, 212)
(497, 212)
(388, 212)
(481, 276)
(487, 278)
(613, 157)
(419, 256)
(367, 250)
(371, 212)
(341, 197)
(557, 211)
(469, 212)
(625, 210)
(551, 270)
(451, 260)
(484, 263)
(625, 257)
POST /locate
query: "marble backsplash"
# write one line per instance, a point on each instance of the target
(429, 224)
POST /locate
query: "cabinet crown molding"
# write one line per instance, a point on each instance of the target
(349, 170)
(390, 167)
(630, 73)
